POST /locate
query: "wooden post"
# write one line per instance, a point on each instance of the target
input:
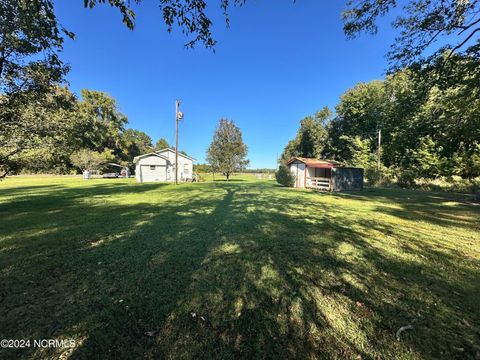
(305, 177)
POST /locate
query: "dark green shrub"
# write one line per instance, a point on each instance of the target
(406, 178)
(379, 177)
(373, 176)
(284, 176)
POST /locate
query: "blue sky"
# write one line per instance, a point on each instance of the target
(277, 63)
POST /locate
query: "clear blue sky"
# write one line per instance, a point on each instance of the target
(277, 63)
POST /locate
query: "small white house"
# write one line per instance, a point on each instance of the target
(160, 166)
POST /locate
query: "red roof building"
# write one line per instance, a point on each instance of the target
(326, 175)
(316, 163)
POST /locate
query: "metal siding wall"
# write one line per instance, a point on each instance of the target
(347, 179)
(294, 172)
(147, 175)
(301, 175)
(163, 167)
(182, 161)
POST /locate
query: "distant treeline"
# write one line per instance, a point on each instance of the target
(62, 131)
(259, 171)
(206, 168)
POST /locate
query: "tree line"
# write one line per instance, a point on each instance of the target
(426, 113)
(427, 128)
(42, 124)
(60, 133)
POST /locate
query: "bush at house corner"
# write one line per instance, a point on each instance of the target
(284, 176)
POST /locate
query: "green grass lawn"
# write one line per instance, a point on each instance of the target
(244, 269)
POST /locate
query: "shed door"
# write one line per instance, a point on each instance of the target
(151, 173)
(301, 175)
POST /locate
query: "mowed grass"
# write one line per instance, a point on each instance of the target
(244, 269)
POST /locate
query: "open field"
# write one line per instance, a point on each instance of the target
(244, 269)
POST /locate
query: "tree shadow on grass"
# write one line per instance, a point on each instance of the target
(449, 209)
(101, 263)
(231, 180)
(298, 296)
(4, 192)
(226, 271)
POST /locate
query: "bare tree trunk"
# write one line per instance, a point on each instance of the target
(2, 59)
(4, 174)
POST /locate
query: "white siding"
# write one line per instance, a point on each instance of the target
(152, 167)
(297, 169)
(185, 169)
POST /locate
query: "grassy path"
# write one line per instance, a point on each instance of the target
(244, 269)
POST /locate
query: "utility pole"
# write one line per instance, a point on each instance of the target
(379, 150)
(178, 117)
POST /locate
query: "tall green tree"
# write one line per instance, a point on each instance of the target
(227, 152)
(426, 159)
(102, 124)
(311, 136)
(45, 131)
(88, 160)
(134, 143)
(436, 27)
(30, 69)
(360, 112)
(161, 144)
(429, 129)
(34, 131)
(27, 29)
(360, 152)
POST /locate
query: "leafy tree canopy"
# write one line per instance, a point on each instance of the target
(90, 160)
(161, 144)
(30, 70)
(427, 129)
(134, 143)
(422, 25)
(29, 28)
(190, 16)
(32, 127)
(227, 152)
(311, 136)
(102, 122)
(431, 130)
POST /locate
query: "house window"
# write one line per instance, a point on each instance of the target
(152, 167)
(185, 169)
